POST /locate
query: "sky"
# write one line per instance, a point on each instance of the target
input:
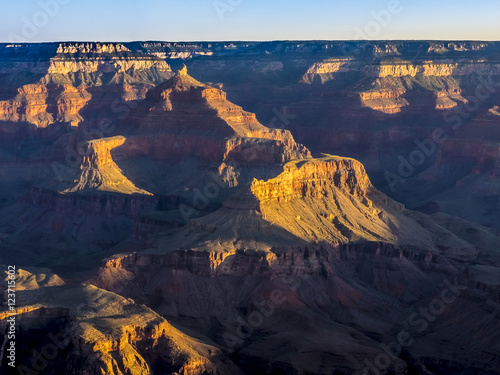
(232, 20)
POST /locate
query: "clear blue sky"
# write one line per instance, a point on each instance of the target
(188, 20)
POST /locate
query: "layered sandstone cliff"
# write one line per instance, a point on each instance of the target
(332, 199)
(442, 68)
(393, 85)
(182, 99)
(98, 171)
(183, 117)
(102, 332)
(314, 178)
(303, 283)
(43, 105)
(65, 80)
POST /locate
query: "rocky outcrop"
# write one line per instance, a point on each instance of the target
(339, 49)
(449, 98)
(396, 99)
(261, 148)
(103, 332)
(328, 70)
(297, 150)
(97, 48)
(43, 105)
(332, 199)
(238, 262)
(182, 99)
(394, 84)
(322, 72)
(386, 100)
(64, 59)
(70, 76)
(315, 179)
(66, 67)
(303, 283)
(98, 171)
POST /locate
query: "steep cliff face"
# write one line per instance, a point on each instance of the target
(322, 72)
(373, 101)
(394, 86)
(261, 148)
(98, 171)
(331, 199)
(114, 178)
(70, 77)
(246, 298)
(314, 178)
(224, 283)
(436, 69)
(202, 139)
(183, 117)
(101, 332)
(357, 49)
(43, 105)
(77, 61)
(93, 72)
(256, 271)
(386, 100)
(98, 48)
(379, 103)
(296, 150)
(323, 62)
(106, 205)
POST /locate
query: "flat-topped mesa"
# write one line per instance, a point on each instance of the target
(314, 178)
(323, 199)
(66, 66)
(327, 70)
(332, 199)
(81, 57)
(443, 68)
(329, 199)
(92, 61)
